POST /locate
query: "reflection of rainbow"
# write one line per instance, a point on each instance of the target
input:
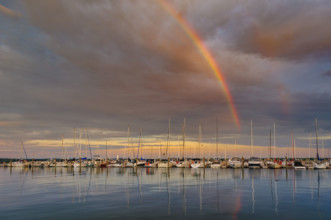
(205, 53)
(238, 207)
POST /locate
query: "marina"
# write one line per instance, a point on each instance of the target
(234, 163)
(165, 109)
(175, 193)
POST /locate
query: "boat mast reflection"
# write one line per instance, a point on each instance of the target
(276, 193)
(168, 192)
(253, 196)
(184, 192)
(200, 194)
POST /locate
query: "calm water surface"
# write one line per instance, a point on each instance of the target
(151, 193)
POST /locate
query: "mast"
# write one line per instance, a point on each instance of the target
(80, 143)
(252, 137)
(295, 152)
(129, 139)
(62, 151)
(160, 150)
(66, 154)
(317, 156)
(310, 143)
(88, 142)
(323, 148)
(225, 152)
(217, 138)
(179, 151)
(292, 144)
(168, 140)
(86, 146)
(274, 140)
(152, 153)
(109, 151)
(140, 145)
(199, 140)
(75, 150)
(23, 149)
(133, 150)
(270, 145)
(106, 150)
(184, 128)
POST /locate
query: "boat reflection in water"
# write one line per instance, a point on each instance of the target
(164, 193)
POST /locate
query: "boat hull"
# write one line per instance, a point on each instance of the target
(197, 165)
(235, 165)
(215, 166)
(164, 165)
(274, 166)
(320, 166)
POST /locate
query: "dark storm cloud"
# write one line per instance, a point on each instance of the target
(281, 29)
(94, 68)
(327, 73)
(105, 64)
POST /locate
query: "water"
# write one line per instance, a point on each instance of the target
(118, 193)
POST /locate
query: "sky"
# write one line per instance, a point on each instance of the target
(106, 65)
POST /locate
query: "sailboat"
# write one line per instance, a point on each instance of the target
(82, 162)
(130, 162)
(274, 164)
(253, 162)
(216, 163)
(182, 163)
(269, 160)
(197, 163)
(140, 162)
(165, 163)
(297, 164)
(235, 162)
(318, 165)
(63, 162)
(21, 162)
(151, 162)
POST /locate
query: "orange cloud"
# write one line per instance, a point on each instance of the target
(9, 123)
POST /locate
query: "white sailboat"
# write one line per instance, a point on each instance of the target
(234, 162)
(140, 162)
(254, 162)
(318, 165)
(81, 162)
(274, 164)
(21, 162)
(182, 163)
(197, 163)
(216, 163)
(130, 161)
(165, 163)
(62, 163)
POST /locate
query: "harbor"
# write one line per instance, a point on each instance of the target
(164, 159)
(231, 163)
(165, 109)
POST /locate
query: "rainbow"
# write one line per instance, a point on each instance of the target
(193, 35)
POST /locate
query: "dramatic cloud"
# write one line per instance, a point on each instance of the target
(106, 64)
(282, 29)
